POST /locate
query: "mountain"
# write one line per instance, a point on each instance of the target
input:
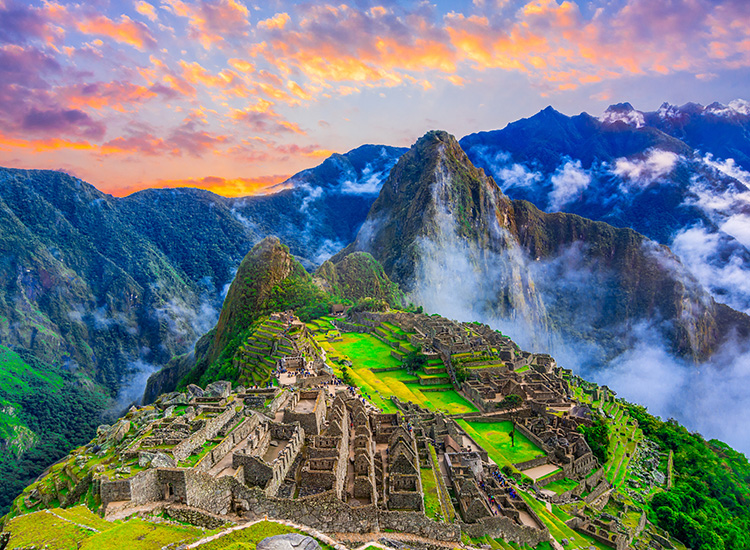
(356, 276)
(446, 233)
(103, 291)
(677, 175)
(270, 279)
(318, 211)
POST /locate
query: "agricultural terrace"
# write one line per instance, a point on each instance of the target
(624, 437)
(554, 518)
(78, 527)
(369, 356)
(494, 437)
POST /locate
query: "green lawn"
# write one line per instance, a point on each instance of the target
(367, 352)
(136, 534)
(561, 485)
(494, 437)
(248, 538)
(47, 530)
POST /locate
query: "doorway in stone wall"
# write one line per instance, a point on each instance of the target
(168, 491)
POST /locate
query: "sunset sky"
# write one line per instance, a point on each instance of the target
(235, 96)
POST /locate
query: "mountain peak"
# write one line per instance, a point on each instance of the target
(623, 113)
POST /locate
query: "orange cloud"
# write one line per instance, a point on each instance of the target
(44, 145)
(126, 31)
(212, 22)
(278, 21)
(146, 9)
(228, 187)
(97, 95)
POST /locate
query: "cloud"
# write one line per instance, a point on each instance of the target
(228, 187)
(717, 263)
(568, 182)
(146, 9)
(124, 31)
(65, 121)
(642, 171)
(194, 141)
(278, 21)
(710, 398)
(262, 119)
(21, 23)
(116, 95)
(213, 22)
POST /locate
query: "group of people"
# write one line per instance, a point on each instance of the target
(505, 484)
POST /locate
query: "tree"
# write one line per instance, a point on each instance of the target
(414, 361)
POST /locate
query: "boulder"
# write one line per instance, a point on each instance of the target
(145, 459)
(162, 460)
(221, 388)
(194, 391)
(289, 541)
(175, 398)
(118, 432)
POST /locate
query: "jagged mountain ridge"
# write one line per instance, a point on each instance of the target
(440, 224)
(677, 175)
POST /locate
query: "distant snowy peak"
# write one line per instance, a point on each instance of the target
(736, 108)
(623, 112)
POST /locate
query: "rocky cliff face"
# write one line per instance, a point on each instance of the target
(446, 233)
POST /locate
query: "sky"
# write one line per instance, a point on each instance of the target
(235, 96)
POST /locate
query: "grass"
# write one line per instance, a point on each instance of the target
(561, 485)
(44, 529)
(558, 529)
(432, 507)
(248, 538)
(47, 530)
(494, 437)
(137, 534)
(367, 352)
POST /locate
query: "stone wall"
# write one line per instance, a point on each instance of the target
(502, 526)
(78, 491)
(532, 436)
(113, 491)
(311, 381)
(597, 492)
(144, 487)
(212, 427)
(533, 463)
(418, 524)
(344, 326)
(197, 517)
(549, 479)
(172, 479)
(208, 493)
(310, 421)
(613, 540)
(227, 444)
(322, 511)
